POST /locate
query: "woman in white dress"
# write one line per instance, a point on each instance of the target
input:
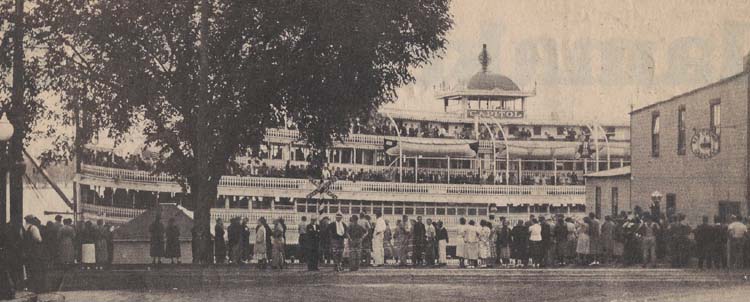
(471, 246)
(460, 242)
(259, 248)
(583, 245)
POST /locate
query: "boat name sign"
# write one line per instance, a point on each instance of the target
(492, 113)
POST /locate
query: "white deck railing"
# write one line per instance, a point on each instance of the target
(340, 186)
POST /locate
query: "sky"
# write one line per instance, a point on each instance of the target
(590, 59)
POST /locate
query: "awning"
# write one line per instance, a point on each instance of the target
(431, 148)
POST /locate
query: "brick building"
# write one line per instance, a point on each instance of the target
(693, 149)
(608, 192)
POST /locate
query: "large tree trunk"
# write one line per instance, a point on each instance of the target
(203, 192)
(202, 187)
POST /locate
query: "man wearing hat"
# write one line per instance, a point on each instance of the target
(32, 243)
(312, 243)
(337, 233)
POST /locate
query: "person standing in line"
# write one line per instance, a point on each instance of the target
(269, 240)
(561, 242)
(704, 243)
(418, 241)
(595, 239)
(618, 236)
(365, 252)
(583, 244)
(608, 239)
(277, 261)
(389, 250)
(301, 230)
(53, 232)
(87, 237)
(680, 235)
(402, 242)
(546, 241)
(325, 241)
(34, 255)
(312, 244)
(430, 243)
(722, 242)
(572, 240)
(356, 234)
(441, 235)
(471, 237)
(484, 243)
(156, 230)
(737, 232)
(520, 239)
(460, 242)
(378, 248)
(220, 246)
(245, 241)
(338, 234)
(67, 242)
(234, 236)
(535, 243)
(100, 246)
(173, 251)
(259, 248)
(647, 232)
(503, 242)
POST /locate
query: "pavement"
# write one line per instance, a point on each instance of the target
(246, 283)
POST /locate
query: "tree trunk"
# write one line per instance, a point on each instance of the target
(203, 192)
(202, 187)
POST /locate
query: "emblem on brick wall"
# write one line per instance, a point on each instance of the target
(705, 143)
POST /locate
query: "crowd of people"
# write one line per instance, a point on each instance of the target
(29, 250)
(627, 239)
(380, 125)
(391, 175)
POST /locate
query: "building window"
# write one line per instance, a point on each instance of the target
(681, 131)
(716, 116)
(655, 134)
(615, 200)
(537, 130)
(598, 202)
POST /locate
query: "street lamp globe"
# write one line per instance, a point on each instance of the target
(656, 196)
(6, 128)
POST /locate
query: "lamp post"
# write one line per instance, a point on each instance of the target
(6, 132)
(655, 199)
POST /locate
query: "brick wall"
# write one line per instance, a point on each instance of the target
(699, 184)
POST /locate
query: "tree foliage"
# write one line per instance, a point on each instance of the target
(24, 116)
(317, 64)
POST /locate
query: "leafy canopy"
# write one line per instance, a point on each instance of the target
(319, 64)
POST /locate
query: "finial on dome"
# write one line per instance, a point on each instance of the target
(484, 58)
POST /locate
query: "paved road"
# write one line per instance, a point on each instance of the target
(559, 285)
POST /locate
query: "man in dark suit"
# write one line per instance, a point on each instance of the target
(356, 234)
(704, 243)
(546, 240)
(418, 241)
(311, 244)
(337, 234)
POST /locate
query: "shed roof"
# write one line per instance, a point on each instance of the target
(138, 228)
(623, 171)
